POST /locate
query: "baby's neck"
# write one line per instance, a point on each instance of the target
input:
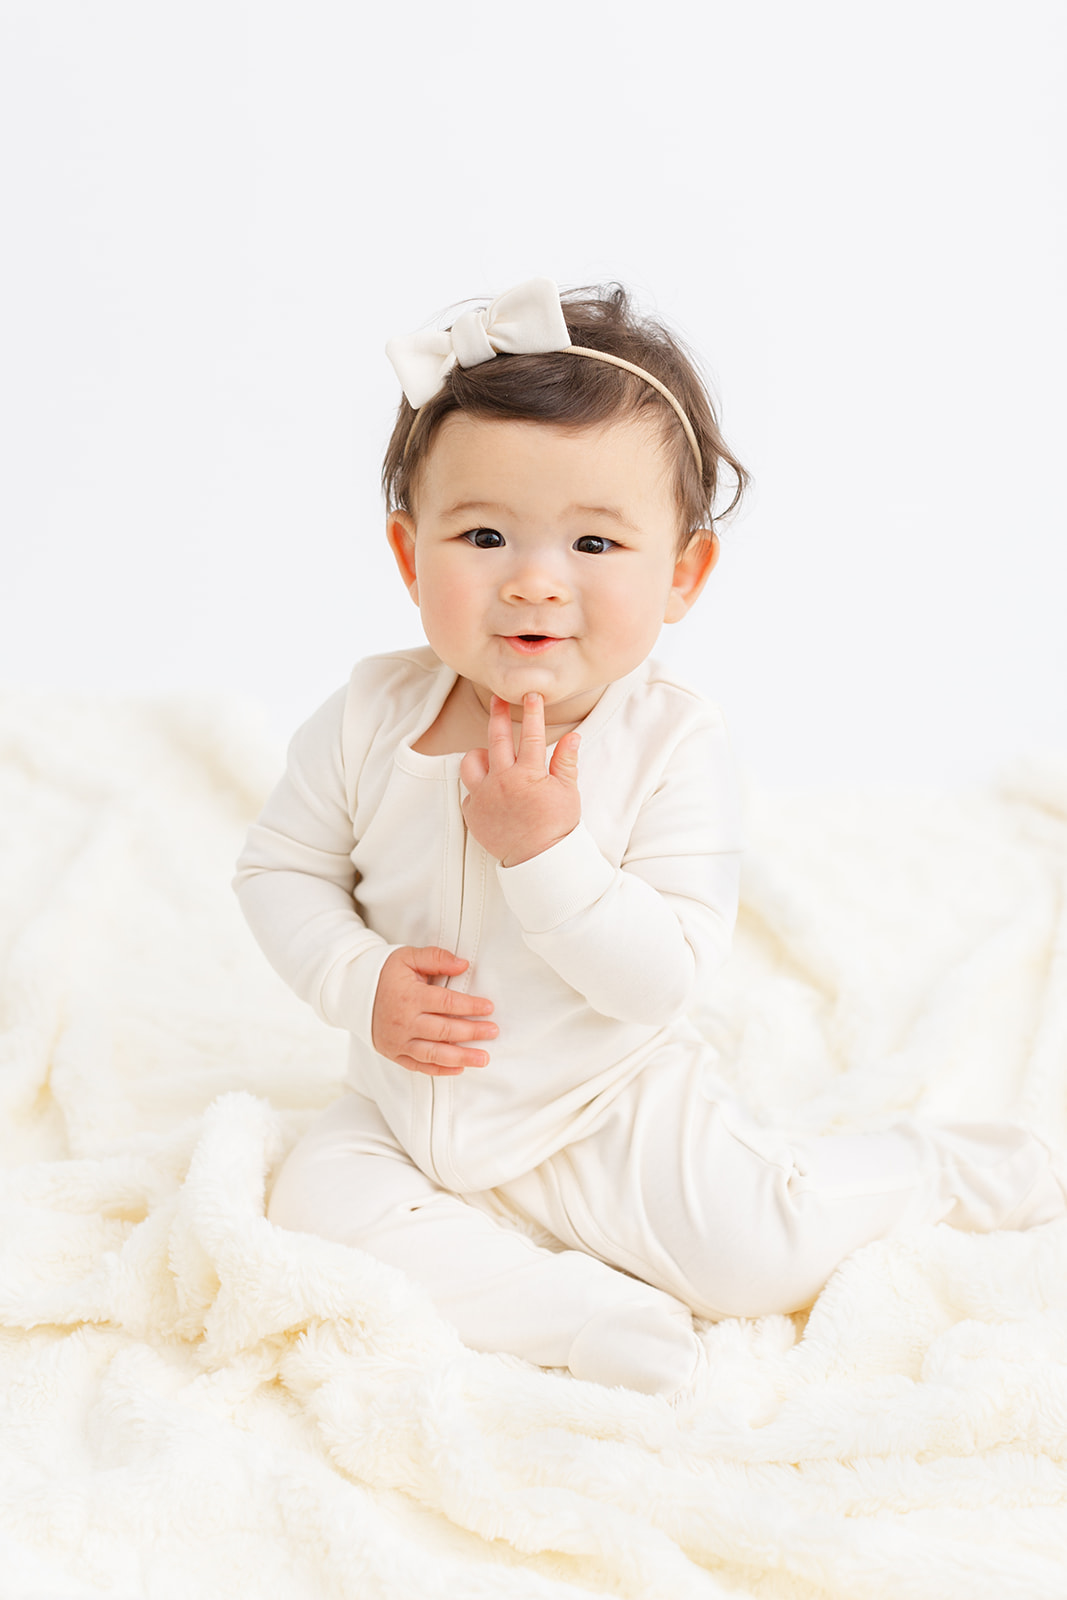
(462, 724)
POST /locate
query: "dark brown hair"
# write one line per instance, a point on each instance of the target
(564, 392)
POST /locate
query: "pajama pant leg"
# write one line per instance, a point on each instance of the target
(679, 1185)
(350, 1181)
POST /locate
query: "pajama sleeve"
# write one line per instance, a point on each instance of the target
(641, 941)
(295, 881)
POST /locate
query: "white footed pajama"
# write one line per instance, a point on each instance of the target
(680, 1187)
(599, 1118)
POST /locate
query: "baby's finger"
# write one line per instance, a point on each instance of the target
(453, 1030)
(433, 962)
(411, 1065)
(501, 738)
(564, 763)
(474, 768)
(532, 738)
(447, 1057)
(453, 1002)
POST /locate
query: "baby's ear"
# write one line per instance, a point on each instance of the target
(400, 531)
(691, 572)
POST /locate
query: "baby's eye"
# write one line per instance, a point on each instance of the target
(484, 538)
(591, 544)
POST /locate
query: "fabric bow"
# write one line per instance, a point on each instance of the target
(526, 320)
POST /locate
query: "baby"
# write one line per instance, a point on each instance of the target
(508, 865)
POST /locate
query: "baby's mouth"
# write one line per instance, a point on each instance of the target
(531, 643)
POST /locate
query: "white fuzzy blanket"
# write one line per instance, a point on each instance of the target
(195, 1404)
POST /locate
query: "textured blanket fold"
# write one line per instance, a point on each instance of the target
(195, 1403)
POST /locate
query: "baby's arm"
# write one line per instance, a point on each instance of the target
(640, 941)
(295, 881)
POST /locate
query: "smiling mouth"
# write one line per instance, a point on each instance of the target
(527, 643)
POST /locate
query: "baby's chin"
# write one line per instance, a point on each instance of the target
(559, 709)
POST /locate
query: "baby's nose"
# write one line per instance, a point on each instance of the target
(535, 581)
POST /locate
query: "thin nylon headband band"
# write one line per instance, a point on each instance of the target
(616, 361)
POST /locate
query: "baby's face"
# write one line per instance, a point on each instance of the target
(545, 559)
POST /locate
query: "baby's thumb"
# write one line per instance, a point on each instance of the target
(431, 961)
(564, 763)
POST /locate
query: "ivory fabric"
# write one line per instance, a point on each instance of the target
(678, 1202)
(196, 1403)
(591, 952)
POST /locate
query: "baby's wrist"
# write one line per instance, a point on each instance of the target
(528, 852)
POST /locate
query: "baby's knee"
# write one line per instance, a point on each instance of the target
(315, 1194)
(757, 1274)
(649, 1347)
(330, 1186)
(292, 1202)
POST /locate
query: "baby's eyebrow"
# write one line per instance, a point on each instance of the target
(611, 512)
(495, 508)
(471, 505)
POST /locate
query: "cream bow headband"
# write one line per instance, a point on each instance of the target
(526, 320)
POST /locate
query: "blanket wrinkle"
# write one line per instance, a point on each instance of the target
(193, 1402)
(488, 1490)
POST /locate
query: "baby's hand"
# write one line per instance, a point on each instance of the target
(420, 1026)
(515, 808)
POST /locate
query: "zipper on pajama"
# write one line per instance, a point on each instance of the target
(464, 933)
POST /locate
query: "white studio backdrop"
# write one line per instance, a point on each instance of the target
(216, 213)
